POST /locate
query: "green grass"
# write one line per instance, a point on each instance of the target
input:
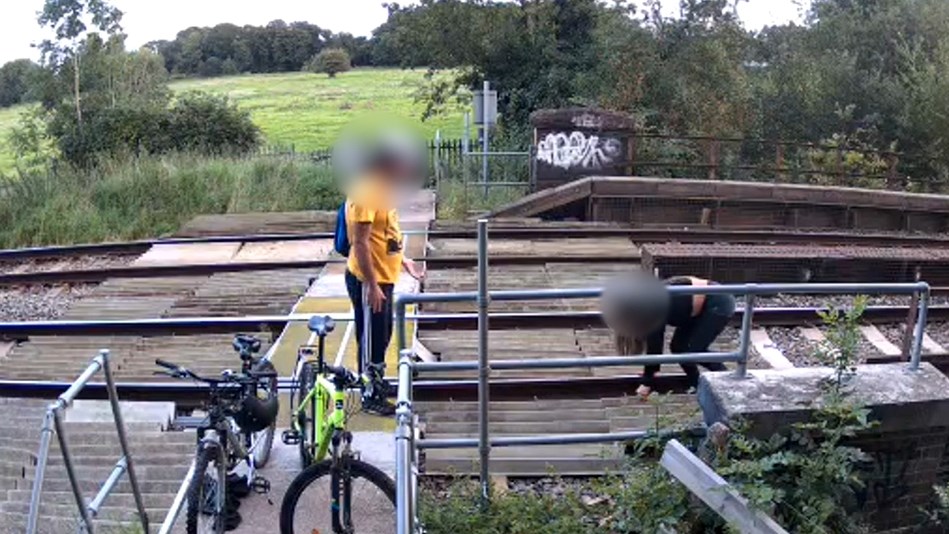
(300, 109)
(152, 196)
(307, 110)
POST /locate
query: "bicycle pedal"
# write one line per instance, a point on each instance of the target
(260, 485)
(290, 437)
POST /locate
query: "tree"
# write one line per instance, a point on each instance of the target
(15, 80)
(67, 20)
(331, 61)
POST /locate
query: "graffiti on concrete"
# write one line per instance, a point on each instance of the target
(576, 149)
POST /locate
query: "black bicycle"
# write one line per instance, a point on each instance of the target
(260, 443)
(235, 411)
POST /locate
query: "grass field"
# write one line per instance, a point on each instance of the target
(303, 110)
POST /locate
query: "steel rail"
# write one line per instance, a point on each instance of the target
(654, 234)
(426, 390)
(203, 269)
(764, 316)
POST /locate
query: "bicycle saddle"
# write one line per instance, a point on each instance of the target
(246, 344)
(321, 325)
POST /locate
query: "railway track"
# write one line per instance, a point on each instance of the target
(578, 231)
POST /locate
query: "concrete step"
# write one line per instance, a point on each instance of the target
(172, 460)
(116, 500)
(97, 474)
(11, 522)
(70, 510)
(89, 487)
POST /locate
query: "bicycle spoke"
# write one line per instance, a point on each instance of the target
(370, 508)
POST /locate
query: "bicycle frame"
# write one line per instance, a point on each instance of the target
(326, 421)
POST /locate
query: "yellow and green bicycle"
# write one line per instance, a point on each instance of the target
(336, 492)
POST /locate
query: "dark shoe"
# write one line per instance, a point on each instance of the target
(378, 406)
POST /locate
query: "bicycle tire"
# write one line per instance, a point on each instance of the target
(306, 417)
(265, 436)
(206, 455)
(358, 469)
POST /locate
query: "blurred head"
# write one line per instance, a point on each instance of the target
(633, 305)
(380, 149)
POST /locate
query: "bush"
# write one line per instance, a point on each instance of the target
(196, 122)
(132, 198)
(331, 61)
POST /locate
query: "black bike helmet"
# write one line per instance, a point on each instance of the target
(256, 414)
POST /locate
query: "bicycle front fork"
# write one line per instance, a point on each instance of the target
(341, 482)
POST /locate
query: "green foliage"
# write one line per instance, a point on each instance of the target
(841, 348)
(807, 481)
(16, 78)
(331, 61)
(148, 196)
(511, 513)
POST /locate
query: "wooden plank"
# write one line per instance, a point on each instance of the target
(880, 341)
(714, 491)
(766, 348)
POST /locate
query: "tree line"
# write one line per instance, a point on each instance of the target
(859, 74)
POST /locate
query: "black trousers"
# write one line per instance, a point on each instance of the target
(697, 336)
(380, 324)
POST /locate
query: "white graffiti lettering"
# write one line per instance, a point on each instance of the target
(567, 151)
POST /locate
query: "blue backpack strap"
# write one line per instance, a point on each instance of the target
(341, 235)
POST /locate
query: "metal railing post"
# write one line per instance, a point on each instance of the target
(123, 440)
(746, 320)
(404, 449)
(46, 435)
(70, 468)
(484, 368)
(920, 330)
(485, 129)
(400, 336)
(178, 503)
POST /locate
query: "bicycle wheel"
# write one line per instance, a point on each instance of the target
(306, 417)
(306, 505)
(267, 389)
(205, 514)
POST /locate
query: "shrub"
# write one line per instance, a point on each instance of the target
(132, 198)
(195, 122)
(331, 61)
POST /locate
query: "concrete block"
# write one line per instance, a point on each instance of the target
(87, 411)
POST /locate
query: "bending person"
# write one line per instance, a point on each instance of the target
(640, 328)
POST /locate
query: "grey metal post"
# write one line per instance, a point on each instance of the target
(364, 354)
(484, 137)
(70, 469)
(746, 319)
(46, 435)
(466, 140)
(484, 368)
(438, 154)
(178, 503)
(400, 336)
(404, 449)
(123, 440)
(920, 330)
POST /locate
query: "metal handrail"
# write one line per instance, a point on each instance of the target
(178, 504)
(407, 445)
(54, 420)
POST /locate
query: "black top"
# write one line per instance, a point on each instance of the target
(679, 314)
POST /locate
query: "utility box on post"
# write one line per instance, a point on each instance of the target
(577, 142)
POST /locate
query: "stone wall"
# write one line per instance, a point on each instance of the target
(909, 447)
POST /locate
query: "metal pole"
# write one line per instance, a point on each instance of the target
(466, 140)
(438, 153)
(746, 319)
(99, 500)
(920, 330)
(484, 137)
(484, 369)
(178, 503)
(400, 336)
(404, 448)
(70, 469)
(46, 434)
(123, 440)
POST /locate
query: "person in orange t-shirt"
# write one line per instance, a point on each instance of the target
(375, 261)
